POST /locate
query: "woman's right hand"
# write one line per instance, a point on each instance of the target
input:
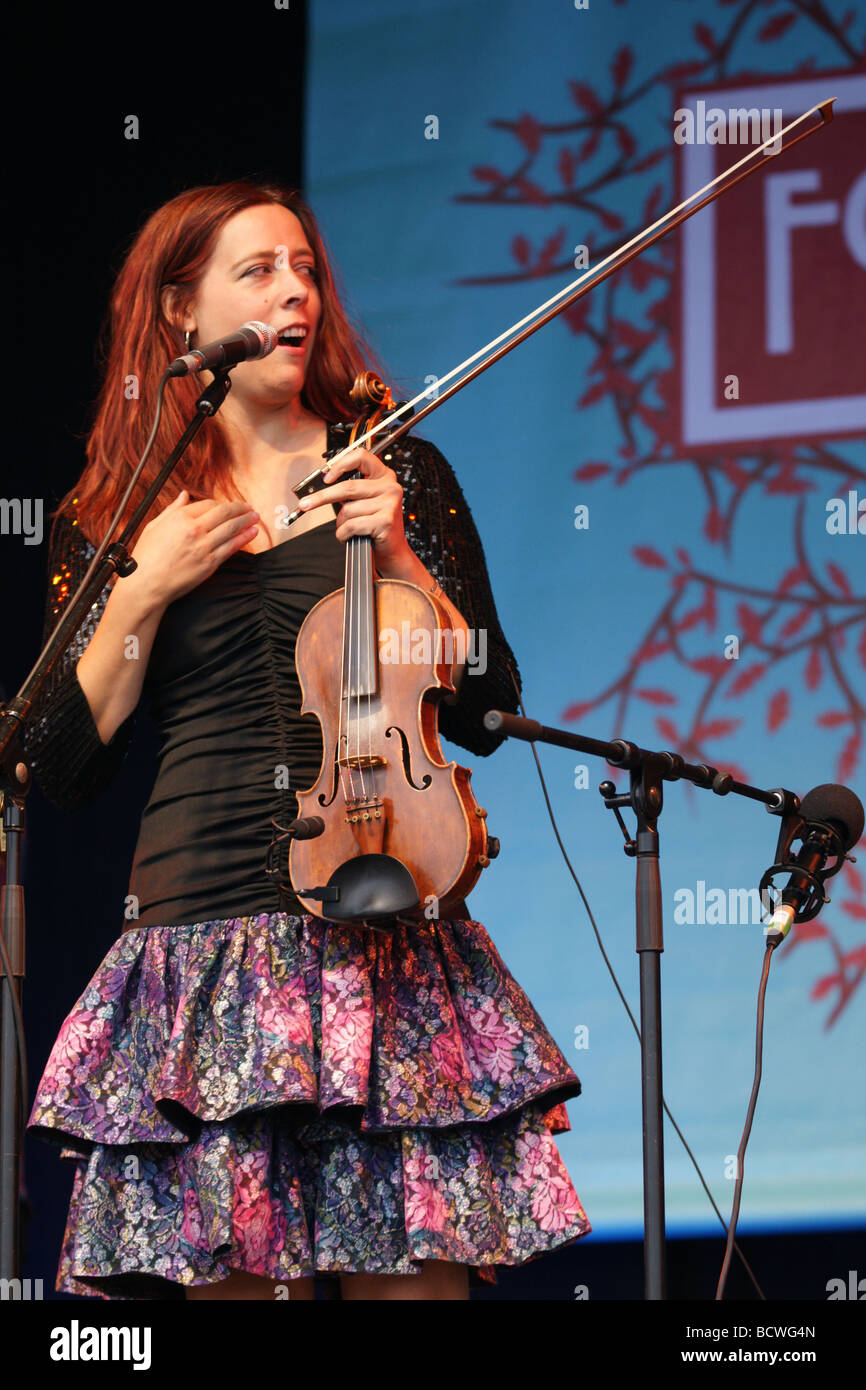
(186, 542)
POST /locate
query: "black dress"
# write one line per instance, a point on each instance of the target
(294, 1097)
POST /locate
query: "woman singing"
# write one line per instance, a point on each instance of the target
(253, 1097)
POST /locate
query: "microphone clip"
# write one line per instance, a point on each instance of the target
(826, 842)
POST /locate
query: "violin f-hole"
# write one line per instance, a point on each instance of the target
(407, 760)
(323, 799)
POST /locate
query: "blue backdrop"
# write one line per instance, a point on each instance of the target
(457, 154)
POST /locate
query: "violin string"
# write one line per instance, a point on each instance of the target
(372, 657)
(360, 549)
(365, 600)
(343, 679)
(348, 694)
(399, 414)
(353, 665)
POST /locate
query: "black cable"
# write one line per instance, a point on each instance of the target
(750, 1114)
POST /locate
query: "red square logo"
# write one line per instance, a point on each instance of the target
(772, 290)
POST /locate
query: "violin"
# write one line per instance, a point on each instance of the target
(395, 829)
(402, 833)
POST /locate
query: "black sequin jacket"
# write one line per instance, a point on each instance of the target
(73, 766)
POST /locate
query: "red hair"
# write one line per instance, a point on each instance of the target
(173, 248)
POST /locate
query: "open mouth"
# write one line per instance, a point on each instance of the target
(294, 339)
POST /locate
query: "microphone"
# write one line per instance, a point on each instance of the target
(306, 827)
(251, 340)
(829, 822)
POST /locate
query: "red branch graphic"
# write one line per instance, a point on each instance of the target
(811, 620)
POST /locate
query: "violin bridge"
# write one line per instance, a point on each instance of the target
(363, 808)
(364, 762)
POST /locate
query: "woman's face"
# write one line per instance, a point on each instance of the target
(262, 267)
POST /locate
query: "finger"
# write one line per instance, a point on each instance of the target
(337, 495)
(377, 527)
(226, 511)
(339, 492)
(235, 543)
(234, 527)
(362, 507)
(332, 472)
(372, 461)
(209, 509)
(197, 506)
(359, 460)
(182, 496)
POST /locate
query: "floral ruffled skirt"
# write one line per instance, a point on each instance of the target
(285, 1097)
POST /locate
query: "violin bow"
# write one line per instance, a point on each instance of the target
(538, 317)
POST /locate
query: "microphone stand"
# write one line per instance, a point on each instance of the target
(15, 779)
(647, 769)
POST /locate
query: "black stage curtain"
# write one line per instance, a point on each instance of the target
(219, 94)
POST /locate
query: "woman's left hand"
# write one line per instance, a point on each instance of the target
(371, 505)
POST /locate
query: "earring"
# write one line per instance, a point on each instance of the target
(186, 337)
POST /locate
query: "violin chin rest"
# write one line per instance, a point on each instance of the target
(371, 886)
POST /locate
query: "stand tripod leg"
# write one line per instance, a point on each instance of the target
(650, 944)
(12, 927)
(653, 1135)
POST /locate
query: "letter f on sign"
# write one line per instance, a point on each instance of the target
(781, 216)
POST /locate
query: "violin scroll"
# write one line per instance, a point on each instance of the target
(375, 401)
(369, 390)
